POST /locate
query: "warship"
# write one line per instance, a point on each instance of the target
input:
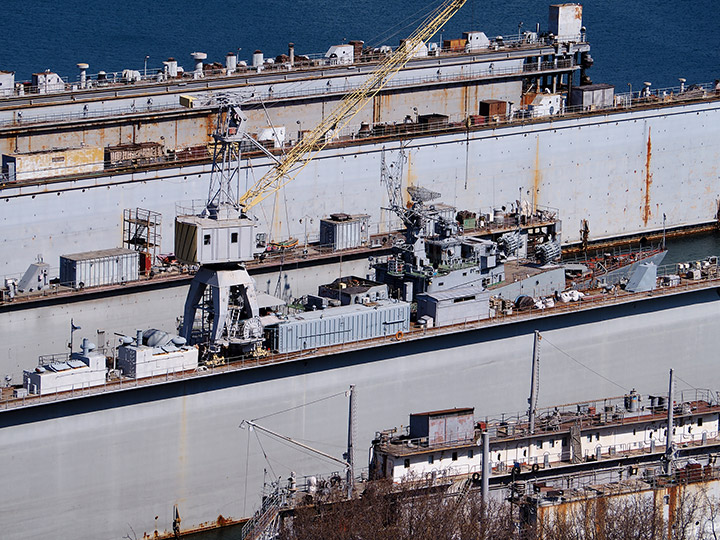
(151, 443)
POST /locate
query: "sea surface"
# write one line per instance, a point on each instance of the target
(632, 41)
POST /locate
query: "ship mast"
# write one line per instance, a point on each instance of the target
(534, 381)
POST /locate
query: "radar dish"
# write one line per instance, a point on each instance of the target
(421, 194)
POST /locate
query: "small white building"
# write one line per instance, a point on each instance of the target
(47, 82)
(7, 83)
(476, 41)
(83, 370)
(341, 54)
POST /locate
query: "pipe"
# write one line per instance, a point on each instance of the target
(138, 337)
(534, 381)
(485, 490)
(350, 451)
(670, 422)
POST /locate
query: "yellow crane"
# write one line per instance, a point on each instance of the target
(305, 150)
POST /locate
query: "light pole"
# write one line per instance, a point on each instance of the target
(72, 331)
(299, 123)
(145, 70)
(304, 221)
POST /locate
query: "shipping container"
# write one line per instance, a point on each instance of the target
(592, 96)
(492, 107)
(334, 326)
(96, 268)
(344, 231)
(448, 426)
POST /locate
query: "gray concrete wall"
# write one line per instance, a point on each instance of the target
(120, 460)
(621, 172)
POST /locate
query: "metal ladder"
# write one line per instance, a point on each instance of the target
(264, 524)
(575, 445)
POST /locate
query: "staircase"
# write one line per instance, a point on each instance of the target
(264, 524)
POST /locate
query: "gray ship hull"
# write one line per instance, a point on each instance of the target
(122, 460)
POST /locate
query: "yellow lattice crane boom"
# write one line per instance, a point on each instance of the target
(305, 150)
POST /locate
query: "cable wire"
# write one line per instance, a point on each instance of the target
(583, 365)
(298, 406)
(267, 459)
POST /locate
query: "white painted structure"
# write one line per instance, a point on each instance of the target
(603, 435)
(341, 54)
(82, 370)
(47, 82)
(7, 83)
(147, 361)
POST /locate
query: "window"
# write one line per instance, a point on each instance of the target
(454, 456)
(407, 463)
(589, 438)
(471, 453)
(431, 459)
(700, 421)
(233, 237)
(597, 436)
(206, 239)
(538, 445)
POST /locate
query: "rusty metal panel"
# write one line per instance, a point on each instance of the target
(437, 430)
(52, 163)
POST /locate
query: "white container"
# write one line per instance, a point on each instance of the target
(344, 231)
(96, 268)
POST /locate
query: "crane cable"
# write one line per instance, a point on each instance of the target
(309, 146)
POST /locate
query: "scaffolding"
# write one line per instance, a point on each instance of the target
(142, 232)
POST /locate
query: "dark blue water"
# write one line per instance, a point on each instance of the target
(632, 41)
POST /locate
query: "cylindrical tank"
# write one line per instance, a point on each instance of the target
(499, 216)
(230, 63)
(172, 67)
(632, 401)
(291, 53)
(258, 59)
(83, 67)
(198, 57)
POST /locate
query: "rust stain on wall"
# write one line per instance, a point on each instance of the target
(648, 180)
(411, 179)
(465, 98)
(537, 175)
